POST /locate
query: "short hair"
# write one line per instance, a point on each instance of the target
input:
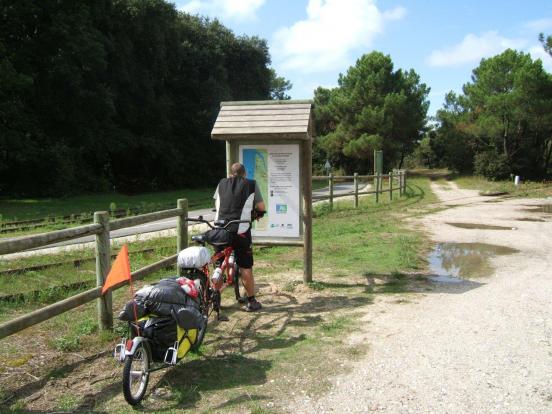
(237, 169)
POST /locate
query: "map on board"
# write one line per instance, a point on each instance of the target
(255, 161)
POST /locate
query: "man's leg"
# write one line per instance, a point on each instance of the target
(244, 258)
(248, 281)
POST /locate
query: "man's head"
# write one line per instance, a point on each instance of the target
(237, 170)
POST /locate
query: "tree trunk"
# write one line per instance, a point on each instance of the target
(547, 158)
(402, 160)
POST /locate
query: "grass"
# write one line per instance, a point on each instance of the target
(255, 361)
(25, 209)
(486, 187)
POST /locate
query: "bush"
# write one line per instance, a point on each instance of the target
(492, 165)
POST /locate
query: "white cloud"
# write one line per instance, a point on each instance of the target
(539, 25)
(537, 52)
(332, 29)
(231, 9)
(473, 48)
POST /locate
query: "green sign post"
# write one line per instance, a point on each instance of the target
(378, 166)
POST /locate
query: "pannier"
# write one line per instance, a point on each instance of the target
(163, 333)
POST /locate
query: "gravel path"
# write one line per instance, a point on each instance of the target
(476, 347)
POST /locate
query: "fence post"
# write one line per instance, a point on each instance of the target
(103, 259)
(181, 228)
(390, 185)
(330, 184)
(400, 183)
(377, 187)
(356, 190)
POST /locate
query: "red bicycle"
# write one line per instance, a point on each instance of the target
(225, 272)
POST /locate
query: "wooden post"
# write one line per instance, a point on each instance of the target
(103, 259)
(307, 210)
(181, 229)
(377, 187)
(356, 190)
(390, 185)
(330, 185)
(399, 180)
(228, 159)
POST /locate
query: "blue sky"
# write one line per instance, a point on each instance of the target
(312, 41)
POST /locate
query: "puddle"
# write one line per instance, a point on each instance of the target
(539, 208)
(455, 262)
(480, 226)
(530, 219)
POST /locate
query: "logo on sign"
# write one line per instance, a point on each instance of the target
(281, 208)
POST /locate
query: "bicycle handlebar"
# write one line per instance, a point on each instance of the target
(200, 219)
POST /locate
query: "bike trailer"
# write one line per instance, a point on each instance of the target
(164, 334)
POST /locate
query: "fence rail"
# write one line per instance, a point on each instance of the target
(398, 176)
(101, 228)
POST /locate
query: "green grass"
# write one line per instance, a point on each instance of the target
(24, 209)
(486, 187)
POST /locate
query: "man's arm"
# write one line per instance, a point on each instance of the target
(258, 202)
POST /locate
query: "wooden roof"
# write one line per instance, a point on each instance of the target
(263, 120)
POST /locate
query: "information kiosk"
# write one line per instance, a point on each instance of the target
(273, 140)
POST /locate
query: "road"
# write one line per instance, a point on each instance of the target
(166, 224)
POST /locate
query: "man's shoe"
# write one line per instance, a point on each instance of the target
(253, 306)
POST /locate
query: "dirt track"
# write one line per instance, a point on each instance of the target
(483, 346)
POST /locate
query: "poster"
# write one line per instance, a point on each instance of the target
(276, 170)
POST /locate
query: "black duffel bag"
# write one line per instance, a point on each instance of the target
(218, 237)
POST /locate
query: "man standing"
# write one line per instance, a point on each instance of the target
(238, 198)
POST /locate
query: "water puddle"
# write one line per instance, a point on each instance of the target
(455, 262)
(480, 226)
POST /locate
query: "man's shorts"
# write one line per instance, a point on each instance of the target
(242, 244)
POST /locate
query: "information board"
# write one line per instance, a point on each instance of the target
(276, 170)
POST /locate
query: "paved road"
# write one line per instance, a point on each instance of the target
(208, 214)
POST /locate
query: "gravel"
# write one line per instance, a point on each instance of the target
(479, 347)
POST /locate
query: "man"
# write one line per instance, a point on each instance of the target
(238, 198)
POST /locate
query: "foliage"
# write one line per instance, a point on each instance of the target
(502, 122)
(117, 94)
(546, 43)
(279, 86)
(373, 107)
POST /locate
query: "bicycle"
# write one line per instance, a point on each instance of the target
(224, 260)
(145, 349)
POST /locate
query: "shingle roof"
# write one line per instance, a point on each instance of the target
(263, 119)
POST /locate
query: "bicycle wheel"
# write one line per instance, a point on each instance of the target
(136, 374)
(236, 281)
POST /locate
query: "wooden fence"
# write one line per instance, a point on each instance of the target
(103, 225)
(382, 183)
(101, 229)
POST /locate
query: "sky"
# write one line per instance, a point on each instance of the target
(312, 41)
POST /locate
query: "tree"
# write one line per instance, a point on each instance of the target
(279, 86)
(505, 116)
(117, 94)
(546, 43)
(373, 107)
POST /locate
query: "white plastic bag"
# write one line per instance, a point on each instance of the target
(194, 257)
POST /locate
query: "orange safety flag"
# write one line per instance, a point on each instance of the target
(120, 270)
